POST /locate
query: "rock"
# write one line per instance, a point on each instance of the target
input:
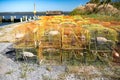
(90, 7)
(6, 65)
(5, 47)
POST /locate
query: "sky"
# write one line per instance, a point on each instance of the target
(41, 5)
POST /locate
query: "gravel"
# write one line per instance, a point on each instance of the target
(10, 70)
(16, 70)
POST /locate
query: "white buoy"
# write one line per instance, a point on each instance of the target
(53, 33)
(116, 54)
(28, 54)
(102, 40)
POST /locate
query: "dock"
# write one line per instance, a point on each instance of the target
(14, 19)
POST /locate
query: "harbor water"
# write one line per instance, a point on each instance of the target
(18, 15)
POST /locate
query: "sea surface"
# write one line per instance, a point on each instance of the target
(19, 15)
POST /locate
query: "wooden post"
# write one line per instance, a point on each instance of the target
(40, 55)
(0, 19)
(85, 55)
(26, 18)
(12, 18)
(21, 20)
(3, 17)
(61, 56)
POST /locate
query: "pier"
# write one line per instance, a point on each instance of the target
(14, 19)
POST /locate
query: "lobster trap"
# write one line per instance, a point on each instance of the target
(65, 41)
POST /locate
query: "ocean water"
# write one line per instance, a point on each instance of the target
(6, 23)
(19, 15)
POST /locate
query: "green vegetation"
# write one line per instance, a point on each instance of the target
(25, 69)
(94, 1)
(23, 75)
(9, 72)
(46, 77)
(102, 17)
(102, 31)
(77, 12)
(100, 9)
(116, 4)
(48, 68)
(89, 72)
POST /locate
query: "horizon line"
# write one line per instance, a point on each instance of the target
(32, 11)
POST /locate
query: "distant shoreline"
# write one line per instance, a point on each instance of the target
(32, 12)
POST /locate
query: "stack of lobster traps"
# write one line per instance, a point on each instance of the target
(71, 40)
